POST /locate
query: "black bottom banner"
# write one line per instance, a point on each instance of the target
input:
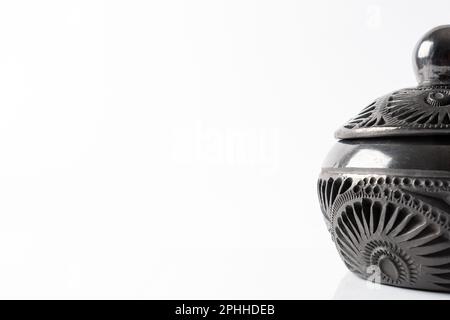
(217, 309)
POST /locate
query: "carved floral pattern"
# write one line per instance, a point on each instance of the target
(397, 226)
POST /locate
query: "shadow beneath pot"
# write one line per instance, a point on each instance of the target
(352, 287)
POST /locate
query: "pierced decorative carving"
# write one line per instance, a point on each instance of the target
(397, 226)
(426, 108)
(368, 117)
(422, 108)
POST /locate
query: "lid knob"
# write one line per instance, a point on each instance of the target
(431, 58)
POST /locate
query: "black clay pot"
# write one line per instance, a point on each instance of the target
(384, 188)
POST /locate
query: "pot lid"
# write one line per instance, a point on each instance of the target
(419, 111)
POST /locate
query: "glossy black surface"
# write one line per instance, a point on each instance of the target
(420, 111)
(420, 153)
(384, 190)
(431, 57)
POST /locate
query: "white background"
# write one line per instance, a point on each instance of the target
(170, 149)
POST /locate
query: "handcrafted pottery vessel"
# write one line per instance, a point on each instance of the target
(384, 188)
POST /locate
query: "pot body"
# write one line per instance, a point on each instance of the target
(386, 203)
